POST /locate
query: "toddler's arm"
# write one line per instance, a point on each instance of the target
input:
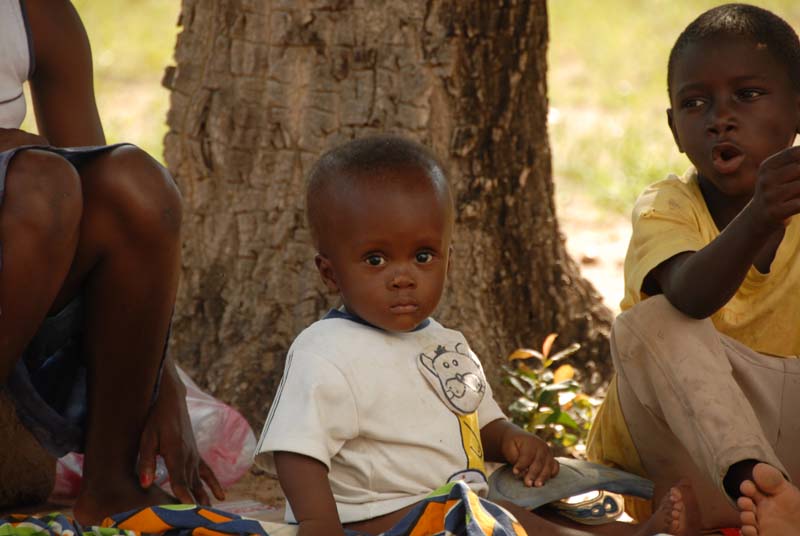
(503, 441)
(304, 480)
(701, 282)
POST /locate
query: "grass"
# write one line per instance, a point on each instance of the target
(132, 43)
(607, 78)
(607, 84)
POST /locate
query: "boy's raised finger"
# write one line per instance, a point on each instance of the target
(782, 158)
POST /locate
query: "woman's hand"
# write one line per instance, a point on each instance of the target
(168, 432)
(14, 137)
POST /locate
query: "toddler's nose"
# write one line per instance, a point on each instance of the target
(401, 279)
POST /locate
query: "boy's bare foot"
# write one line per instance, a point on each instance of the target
(770, 506)
(677, 514)
(96, 503)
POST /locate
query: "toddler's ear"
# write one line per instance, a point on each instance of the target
(671, 122)
(326, 272)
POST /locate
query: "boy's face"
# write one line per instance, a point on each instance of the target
(733, 106)
(386, 250)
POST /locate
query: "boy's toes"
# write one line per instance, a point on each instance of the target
(746, 504)
(748, 518)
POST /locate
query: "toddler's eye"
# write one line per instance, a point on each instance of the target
(375, 260)
(424, 257)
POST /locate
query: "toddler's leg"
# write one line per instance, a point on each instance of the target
(687, 394)
(127, 264)
(676, 515)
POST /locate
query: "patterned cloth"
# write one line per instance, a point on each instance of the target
(452, 510)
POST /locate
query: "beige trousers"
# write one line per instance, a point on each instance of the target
(697, 401)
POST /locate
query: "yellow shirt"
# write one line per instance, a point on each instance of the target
(671, 217)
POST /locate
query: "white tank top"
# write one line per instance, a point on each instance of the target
(16, 62)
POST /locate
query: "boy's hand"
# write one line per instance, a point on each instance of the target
(777, 192)
(530, 457)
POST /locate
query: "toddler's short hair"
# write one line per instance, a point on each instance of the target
(365, 159)
(750, 22)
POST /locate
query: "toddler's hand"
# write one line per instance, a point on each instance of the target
(530, 457)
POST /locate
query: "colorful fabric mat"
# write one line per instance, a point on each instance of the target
(452, 510)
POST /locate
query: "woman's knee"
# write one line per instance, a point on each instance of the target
(135, 194)
(43, 197)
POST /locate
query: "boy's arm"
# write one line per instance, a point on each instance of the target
(532, 460)
(304, 480)
(699, 283)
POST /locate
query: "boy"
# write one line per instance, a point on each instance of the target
(379, 404)
(709, 399)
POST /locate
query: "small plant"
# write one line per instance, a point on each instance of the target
(551, 404)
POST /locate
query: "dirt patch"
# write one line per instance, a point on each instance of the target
(258, 486)
(596, 239)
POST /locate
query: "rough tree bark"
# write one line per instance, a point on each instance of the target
(262, 87)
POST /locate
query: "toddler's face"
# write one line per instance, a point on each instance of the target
(387, 251)
(733, 106)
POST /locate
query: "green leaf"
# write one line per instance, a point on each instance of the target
(522, 405)
(566, 352)
(563, 418)
(518, 385)
(568, 385)
(569, 440)
(546, 397)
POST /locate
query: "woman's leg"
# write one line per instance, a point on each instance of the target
(39, 219)
(40, 215)
(127, 266)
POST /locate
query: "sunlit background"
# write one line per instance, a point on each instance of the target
(607, 75)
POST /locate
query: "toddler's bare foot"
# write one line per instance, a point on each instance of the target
(95, 503)
(677, 514)
(770, 506)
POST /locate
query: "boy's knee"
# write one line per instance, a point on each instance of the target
(43, 196)
(137, 193)
(654, 329)
(654, 316)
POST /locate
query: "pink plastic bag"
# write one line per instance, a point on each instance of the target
(224, 440)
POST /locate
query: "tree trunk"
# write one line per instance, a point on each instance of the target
(262, 87)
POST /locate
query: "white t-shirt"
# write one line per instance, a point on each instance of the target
(16, 62)
(373, 407)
